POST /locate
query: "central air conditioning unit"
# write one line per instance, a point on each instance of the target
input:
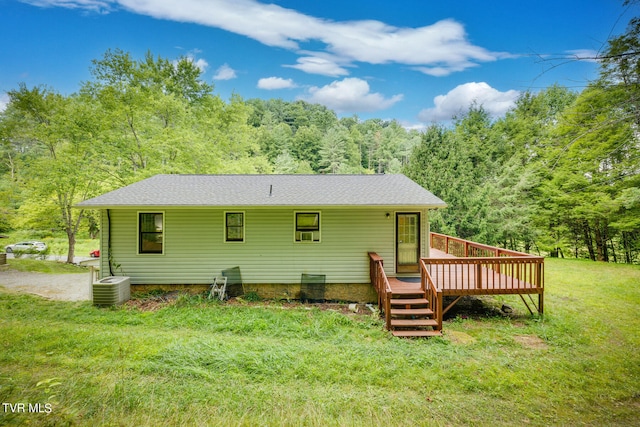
(112, 290)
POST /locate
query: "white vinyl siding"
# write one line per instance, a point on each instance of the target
(195, 250)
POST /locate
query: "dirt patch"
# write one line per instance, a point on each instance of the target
(458, 337)
(152, 302)
(158, 300)
(471, 307)
(531, 341)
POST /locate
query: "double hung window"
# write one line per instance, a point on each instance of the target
(150, 232)
(234, 227)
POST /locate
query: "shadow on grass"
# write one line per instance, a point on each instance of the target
(472, 307)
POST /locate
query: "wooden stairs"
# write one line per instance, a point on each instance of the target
(411, 315)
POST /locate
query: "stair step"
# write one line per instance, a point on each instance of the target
(417, 333)
(409, 301)
(416, 291)
(404, 323)
(411, 312)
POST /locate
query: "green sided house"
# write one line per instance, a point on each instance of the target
(183, 230)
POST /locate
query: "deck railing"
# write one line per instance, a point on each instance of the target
(465, 248)
(487, 273)
(380, 282)
(483, 269)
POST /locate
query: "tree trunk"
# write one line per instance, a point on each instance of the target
(71, 237)
(601, 242)
(626, 247)
(588, 240)
(613, 251)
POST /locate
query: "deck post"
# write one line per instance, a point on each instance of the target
(439, 312)
(387, 310)
(479, 276)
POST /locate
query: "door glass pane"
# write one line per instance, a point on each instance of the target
(408, 239)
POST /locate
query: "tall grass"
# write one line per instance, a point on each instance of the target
(199, 362)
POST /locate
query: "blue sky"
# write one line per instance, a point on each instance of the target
(417, 61)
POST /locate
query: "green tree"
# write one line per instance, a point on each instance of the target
(592, 160)
(305, 146)
(441, 165)
(159, 117)
(333, 149)
(515, 218)
(64, 174)
(338, 152)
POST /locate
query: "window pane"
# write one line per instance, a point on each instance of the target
(151, 222)
(151, 243)
(234, 233)
(308, 221)
(234, 219)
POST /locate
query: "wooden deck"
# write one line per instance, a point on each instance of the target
(457, 268)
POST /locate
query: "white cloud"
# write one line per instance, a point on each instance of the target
(101, 6)
(272, 83)
(4, 101)
(225, 72)
(202, 64)
(437, 49)
(318, 65)
(459, 99)
(350, 95)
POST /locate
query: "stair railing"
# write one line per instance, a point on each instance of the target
(381, 284)
(432, 293)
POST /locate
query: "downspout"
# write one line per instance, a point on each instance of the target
(109, 243)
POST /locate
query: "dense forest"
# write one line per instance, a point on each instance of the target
(559, 174)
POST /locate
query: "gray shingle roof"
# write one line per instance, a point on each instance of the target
(268, 190)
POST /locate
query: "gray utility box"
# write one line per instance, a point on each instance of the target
(111, 290)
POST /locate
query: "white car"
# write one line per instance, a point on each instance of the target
(29, 247)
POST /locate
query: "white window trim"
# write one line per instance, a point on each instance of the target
(295, 231)
(164, 233)
(244, 227)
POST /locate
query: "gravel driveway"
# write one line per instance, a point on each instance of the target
(63, 287)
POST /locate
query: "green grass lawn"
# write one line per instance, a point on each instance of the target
(198, 362)
(38, 266)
